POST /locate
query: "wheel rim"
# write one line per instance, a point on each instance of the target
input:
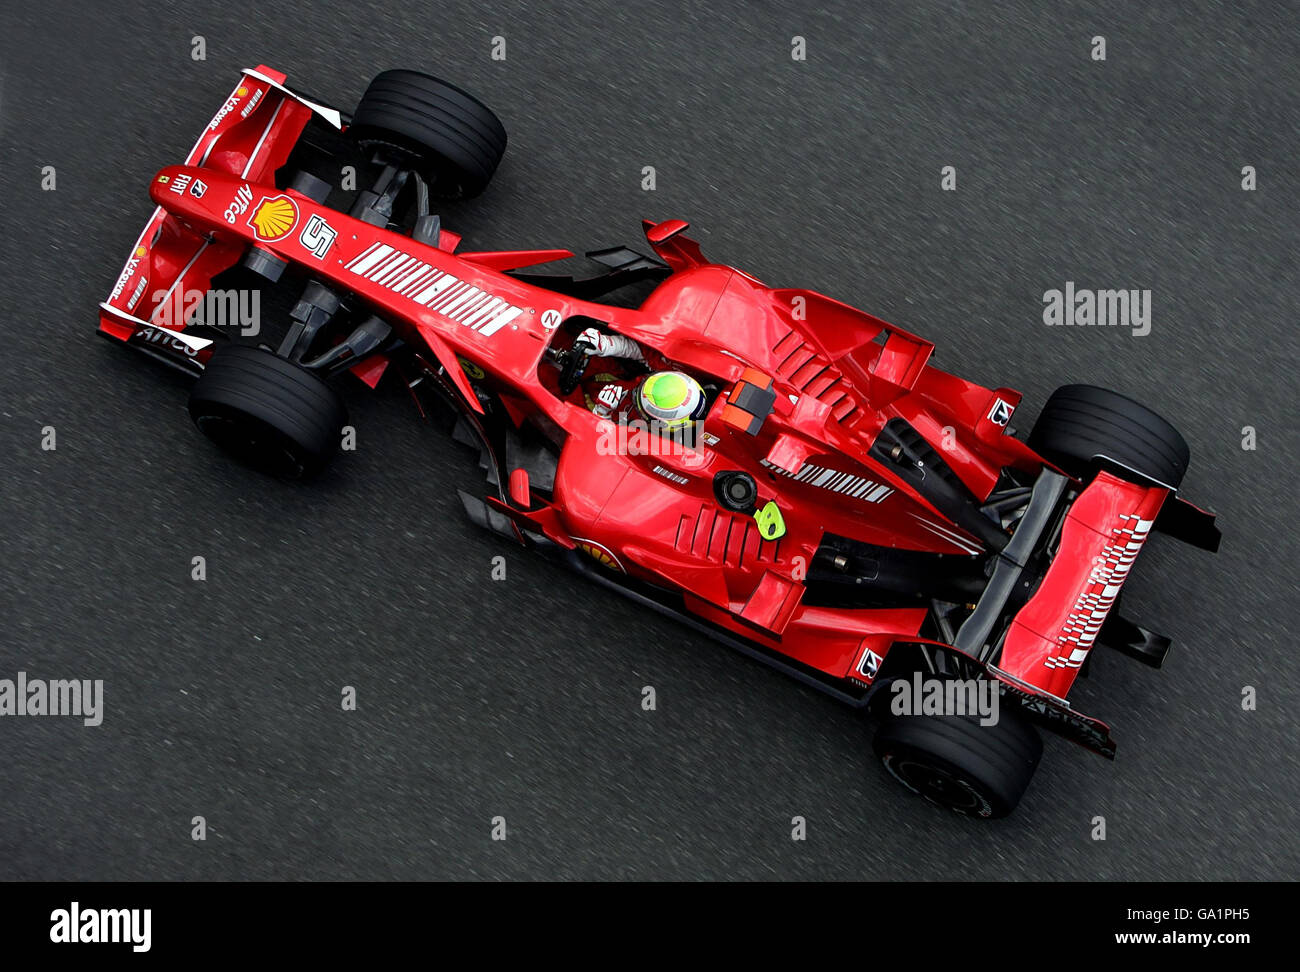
(252, 444)
(939, 785)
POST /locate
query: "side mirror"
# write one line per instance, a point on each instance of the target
(520, 493)
(665, 231)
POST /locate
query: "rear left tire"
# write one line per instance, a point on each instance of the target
(953, 761)
(1081, 425)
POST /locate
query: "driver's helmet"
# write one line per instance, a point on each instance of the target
(672, 399)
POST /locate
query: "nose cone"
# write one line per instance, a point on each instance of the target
(170, 183)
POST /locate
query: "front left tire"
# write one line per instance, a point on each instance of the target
(267, 412)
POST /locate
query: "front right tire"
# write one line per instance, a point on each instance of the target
(445, 134)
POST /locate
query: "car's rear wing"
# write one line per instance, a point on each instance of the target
(250, 136)
(1051, 636)
(1035, 637)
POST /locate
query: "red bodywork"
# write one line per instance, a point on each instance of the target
(839, 375)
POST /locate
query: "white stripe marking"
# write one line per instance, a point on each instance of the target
(500, 321)
(478, 301)
(385, 265)
(484, 312)
(456, 293)
(457, 286)
(363, 254)
(370, 258)
(963, 544)
(390, 275)
(419, 280)
(410, 274)
(427, 295)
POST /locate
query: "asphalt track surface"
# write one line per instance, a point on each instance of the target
(521, 698)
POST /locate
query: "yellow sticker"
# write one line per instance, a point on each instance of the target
(470, 368)
(771, 524)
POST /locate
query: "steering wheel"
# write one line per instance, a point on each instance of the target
(574, 366)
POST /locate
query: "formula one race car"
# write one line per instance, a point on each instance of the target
(782, 472)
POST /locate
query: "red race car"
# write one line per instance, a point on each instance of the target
(782, 472)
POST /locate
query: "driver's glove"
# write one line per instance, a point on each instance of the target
(611, 345)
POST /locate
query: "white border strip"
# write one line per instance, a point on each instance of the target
(946, 534)
(330, 115)
(197, 343)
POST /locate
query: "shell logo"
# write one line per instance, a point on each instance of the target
(273, 218)
(140, 251)
(241, 91)
(600, 554)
